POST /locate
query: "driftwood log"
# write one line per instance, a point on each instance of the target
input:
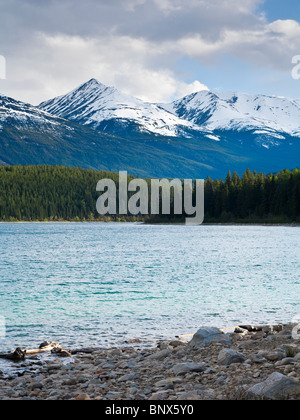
(19, 354)
(44, 347)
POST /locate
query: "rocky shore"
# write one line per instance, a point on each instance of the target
(254, 362)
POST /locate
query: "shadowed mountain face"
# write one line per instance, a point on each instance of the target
(202, 134)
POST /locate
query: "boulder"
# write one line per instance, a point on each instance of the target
(276, 386)
(209, 335)
(273, 356)
(228, 357)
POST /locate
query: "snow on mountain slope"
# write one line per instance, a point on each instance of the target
(29, 135)
(93, 103)
(24, 115)
(98, 106)
(239, 111)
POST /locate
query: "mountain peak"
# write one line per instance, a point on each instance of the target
(91, 85)
(105, 108)
(97, 106)
(240, 111)
(92, 82)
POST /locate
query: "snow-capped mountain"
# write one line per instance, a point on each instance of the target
(29, 135)
(96, 105)
(202, 134)
(268, 119)
(238, 111)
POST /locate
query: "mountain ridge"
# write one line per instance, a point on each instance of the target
(235, 110)
(92, 104)
(32, 135)
(96, 105)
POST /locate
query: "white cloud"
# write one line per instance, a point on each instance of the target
(272, 45)
(62, 62)
(169, 5)
(123, 62)
(184, 89)
(134, 44)
(131, 5)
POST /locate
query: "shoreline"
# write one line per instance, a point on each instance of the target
(271, 224)
(210, 365)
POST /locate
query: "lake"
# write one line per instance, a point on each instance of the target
(99, 284)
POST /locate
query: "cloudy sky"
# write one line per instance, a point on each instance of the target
(156, 50)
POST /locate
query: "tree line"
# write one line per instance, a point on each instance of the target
(57, 193)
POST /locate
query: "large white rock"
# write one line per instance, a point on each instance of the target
(208, 335)
(228, 357)
(276, 386)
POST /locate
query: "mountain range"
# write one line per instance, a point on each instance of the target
(205, 133)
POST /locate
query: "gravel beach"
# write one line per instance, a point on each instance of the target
(254, 362)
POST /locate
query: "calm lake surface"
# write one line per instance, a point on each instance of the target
(101, 284)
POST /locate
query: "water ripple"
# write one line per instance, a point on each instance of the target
(100, 284)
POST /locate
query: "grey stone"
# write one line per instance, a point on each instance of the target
(208, 335)
(183, 368)
(272, 328)
(95, 381)
(54, 367)
(36, 385)
(161, 395)
(257, 358)
(288, 349)
(228, 357)
(162, 383)
(190, 395)
(221, 380)
(273, 356)
(297, 357)
(53, 393)
(131, 364)
(127, 377)
(276, 386)
(159, 355)
(71, 381)
(285, 362)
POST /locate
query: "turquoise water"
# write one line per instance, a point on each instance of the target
(100, 284)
